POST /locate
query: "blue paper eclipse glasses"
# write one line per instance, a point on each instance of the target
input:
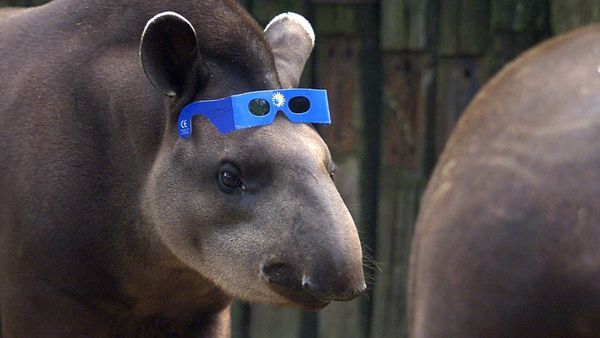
(258, 108)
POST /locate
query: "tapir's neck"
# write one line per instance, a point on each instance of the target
(189, 294)
(94, 45)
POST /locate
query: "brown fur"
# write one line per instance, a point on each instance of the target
(507, 241)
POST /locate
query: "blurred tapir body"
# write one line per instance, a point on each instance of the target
(507, 242)
(112, 225)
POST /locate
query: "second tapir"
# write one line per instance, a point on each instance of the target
(113, 225)
(507, 242)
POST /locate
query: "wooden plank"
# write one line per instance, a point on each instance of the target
(403, 25)
(567, 15)
(240, 320)
(518, 16)
(516, 25)
(404, 115)
(464, 27)
(265, 10)
(370, 74)
(342, 320)
(382, 319)
(407, 84)
(337, 59)
(458, 80)
(335, 20)
(268, 321)
(409, 193)
(400, 194)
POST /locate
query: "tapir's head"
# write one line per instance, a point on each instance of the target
(254, 211)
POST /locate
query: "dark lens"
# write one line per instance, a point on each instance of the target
(299, 105)
(259, 107)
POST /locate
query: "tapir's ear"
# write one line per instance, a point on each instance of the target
(292, 39)
(169, 52)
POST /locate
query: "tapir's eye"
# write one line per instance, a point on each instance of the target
(229, 179)
(332, 171)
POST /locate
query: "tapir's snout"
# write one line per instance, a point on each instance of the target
(312, 253)
(322, 276)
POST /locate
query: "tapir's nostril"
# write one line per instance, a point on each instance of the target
(282, 274)
(305, 283)
(273, 270)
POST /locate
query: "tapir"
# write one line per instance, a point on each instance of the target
(111, 225)
(507, 241)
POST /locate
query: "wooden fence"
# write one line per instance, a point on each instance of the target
(399, 73)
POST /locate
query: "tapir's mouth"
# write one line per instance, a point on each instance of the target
(300, 297)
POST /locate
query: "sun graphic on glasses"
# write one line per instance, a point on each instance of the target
(278, 99)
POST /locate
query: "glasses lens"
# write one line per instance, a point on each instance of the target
(259, 107)
(299, 104)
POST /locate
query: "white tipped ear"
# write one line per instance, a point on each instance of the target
(169, 52)
(292, 39)
(296, 19)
